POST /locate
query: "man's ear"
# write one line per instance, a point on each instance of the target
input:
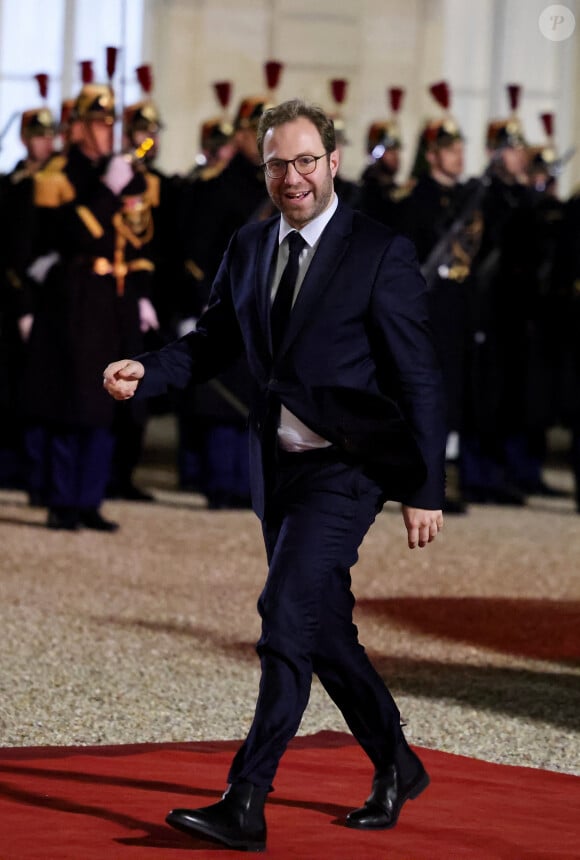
(334, 161)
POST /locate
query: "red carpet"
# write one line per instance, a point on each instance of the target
(109, 803)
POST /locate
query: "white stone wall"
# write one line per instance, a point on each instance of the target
(479, 46)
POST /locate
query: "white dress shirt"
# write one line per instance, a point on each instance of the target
(293, 435)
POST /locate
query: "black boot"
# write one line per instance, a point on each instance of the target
(237, 819)
(91, 518)
(403, 780)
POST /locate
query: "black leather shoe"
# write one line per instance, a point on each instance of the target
(91, 518)
(403, 780)
(237, 820)
(63, 518)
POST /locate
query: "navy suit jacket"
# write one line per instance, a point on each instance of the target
(356, 364)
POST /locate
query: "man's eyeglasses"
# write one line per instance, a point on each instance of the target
(276, 168)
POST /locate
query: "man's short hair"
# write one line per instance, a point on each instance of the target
(291, 110)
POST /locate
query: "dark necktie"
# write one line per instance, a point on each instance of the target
(282, 304)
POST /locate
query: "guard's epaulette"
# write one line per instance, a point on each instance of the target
(153, 189)
(401, 193)
(212, 171)
(52, 186)
(55, 164)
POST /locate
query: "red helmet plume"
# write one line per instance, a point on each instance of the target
(441, 93)
(111, 61)
(273, 70)
(87, 73)
(223, 91)
(547, 120)
(396, 98)
(145, 78)
(42, 81)
(338, 87)
(514, 92)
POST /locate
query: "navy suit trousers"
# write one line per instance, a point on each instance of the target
(319, 511)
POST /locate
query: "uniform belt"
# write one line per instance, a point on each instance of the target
(103, 266)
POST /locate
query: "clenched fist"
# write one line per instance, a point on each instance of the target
(121, 378)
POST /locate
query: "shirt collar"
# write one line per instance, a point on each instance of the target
(312, 232)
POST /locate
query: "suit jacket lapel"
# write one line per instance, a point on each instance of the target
(264, 273)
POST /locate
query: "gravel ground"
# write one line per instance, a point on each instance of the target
(148, 635)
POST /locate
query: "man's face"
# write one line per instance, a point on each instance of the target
(96, 139)
(515, 160)
(448, 160)
(40, 148)
(391, 159)
(300, 198)
(245, 141)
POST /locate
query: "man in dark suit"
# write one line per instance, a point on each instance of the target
(348, 413)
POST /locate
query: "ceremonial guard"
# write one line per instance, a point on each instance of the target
(226, 200)
(141, 131)
(381, 194)
(443, 218)
(23, 460)
(216, 137)
(347, 190)
(93, 232)
(501, 461)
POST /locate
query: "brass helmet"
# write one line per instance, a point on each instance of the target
(37, 122)
(249, 112)
(338, 90)
(543, 158)
(437, 132)
(141, 116)
(507, 132)
(441, 131)
(95, 102)
(383, 135)
(214, 133)
(251, 108)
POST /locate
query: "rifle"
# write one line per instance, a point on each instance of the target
(6, 128)
(439, 262)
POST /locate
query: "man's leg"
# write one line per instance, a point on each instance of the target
(312, 534)
(312, 541)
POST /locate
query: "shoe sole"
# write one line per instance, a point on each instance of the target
(194, 830)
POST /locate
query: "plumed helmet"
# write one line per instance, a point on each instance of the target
(95, 102)
(249, 112)
(37, 122)
(215, 132)
(507, 132)
(141, 116)
(383, 135)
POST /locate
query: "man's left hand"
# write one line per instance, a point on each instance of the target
(422, 525)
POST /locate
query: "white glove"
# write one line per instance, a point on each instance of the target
(25, 324)
(118, 174)
(186, 325)
(147, 316)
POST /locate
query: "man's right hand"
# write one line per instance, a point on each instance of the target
(121, 378)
